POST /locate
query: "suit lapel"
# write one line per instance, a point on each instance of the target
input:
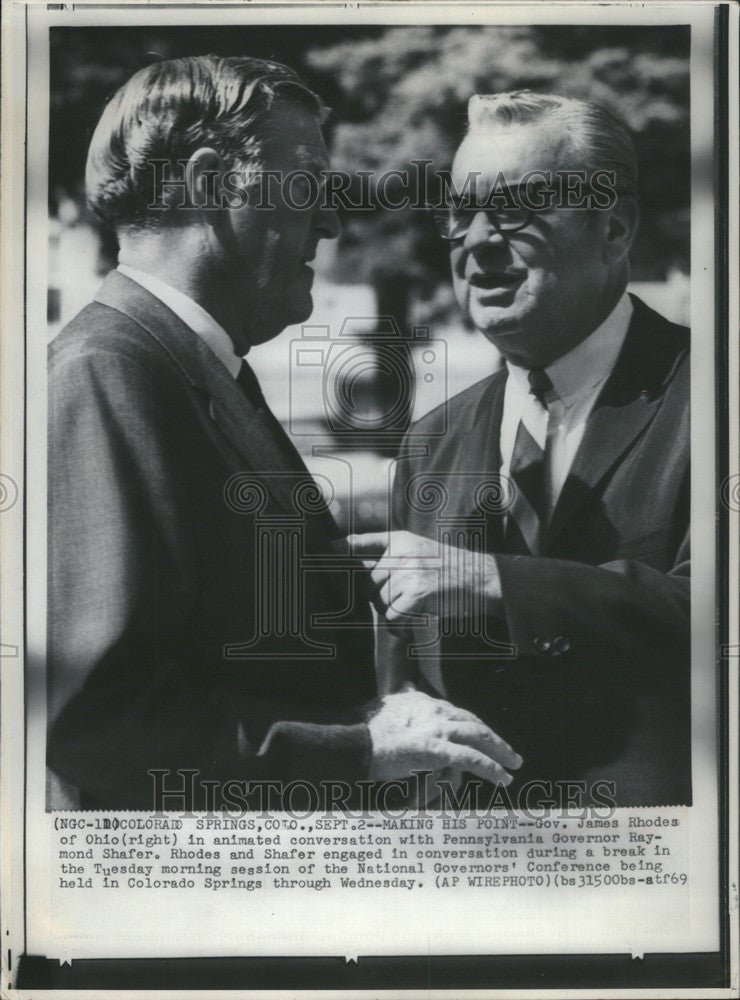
(480, 463)
(271, 457)
(625, 407)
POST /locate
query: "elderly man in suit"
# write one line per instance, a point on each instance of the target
(541, 557)
(198, 616)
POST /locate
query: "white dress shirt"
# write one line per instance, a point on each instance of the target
(577, 379)
(192, 315)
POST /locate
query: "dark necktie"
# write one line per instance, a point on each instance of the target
(247, 382)
(539, 385)
(249, 385)
(528, 514)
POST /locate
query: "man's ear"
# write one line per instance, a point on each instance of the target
(622, 227)
(203, 178)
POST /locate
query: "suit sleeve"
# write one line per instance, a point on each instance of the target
(558, 612)
(624, 613)
(128, 691)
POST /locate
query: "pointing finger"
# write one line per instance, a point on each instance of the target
(372, 543)
(381, 573)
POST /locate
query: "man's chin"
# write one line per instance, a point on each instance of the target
(495, 321)
(303, 308)
(291, 313)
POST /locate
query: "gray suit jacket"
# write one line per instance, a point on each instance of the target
(196, 616)
(591, 676)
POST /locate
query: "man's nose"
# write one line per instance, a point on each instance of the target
(482, 231)
(326, 223)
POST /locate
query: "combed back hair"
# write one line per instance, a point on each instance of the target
(598, 139)
(169, 110)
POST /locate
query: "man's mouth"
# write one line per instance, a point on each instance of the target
(495, 280)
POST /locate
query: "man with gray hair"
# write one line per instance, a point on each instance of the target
(542, 516)
(201, 635)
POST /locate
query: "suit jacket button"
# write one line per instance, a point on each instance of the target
(541, 645)
(560, 645)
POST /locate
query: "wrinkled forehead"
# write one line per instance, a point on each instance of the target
(490, 151)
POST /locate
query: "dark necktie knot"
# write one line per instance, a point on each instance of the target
(539, 384)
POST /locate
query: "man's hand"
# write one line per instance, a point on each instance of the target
(417, 576)
(412, 731)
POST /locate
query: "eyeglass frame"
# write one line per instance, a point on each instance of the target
(491, 213)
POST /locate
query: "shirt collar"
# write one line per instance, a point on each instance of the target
(589, 363)
(192, 314)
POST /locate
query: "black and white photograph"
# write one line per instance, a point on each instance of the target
(540, 515)
(374, 476)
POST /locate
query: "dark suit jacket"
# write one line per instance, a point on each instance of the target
(598, 686)
(159, 559)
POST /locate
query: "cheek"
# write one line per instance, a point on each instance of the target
(462, 291)
(459, 284)
(457, 260)
(577, 247)
(266, 262)
(575, 270)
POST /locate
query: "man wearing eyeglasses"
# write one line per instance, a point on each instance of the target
(538, 572)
